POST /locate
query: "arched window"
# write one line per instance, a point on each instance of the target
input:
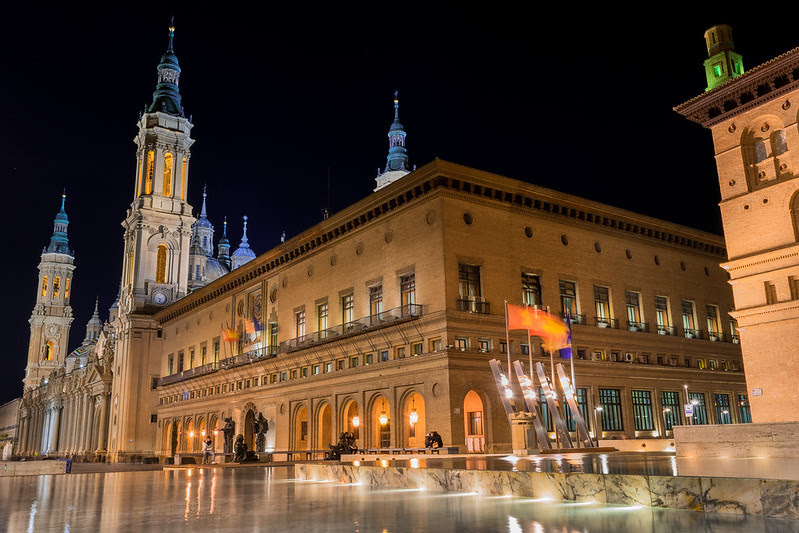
(44, 286)
(197, 272)
(66, 289)
(168, 174)
(183, 179)
(760, 150)
(56, 286)
(48, 351)
(160, 264)
(148, 180)
(205, 241)
(778, 143)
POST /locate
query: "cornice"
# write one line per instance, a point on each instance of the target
(751, 89)
(470, 183)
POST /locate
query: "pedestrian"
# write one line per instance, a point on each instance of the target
(208, 451)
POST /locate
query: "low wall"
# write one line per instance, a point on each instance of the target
(774, 439)
(771, 498)
(639, 445)
(32, 468)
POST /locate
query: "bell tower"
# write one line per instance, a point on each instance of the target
(155, 267)
(158, 225)
(52, 314)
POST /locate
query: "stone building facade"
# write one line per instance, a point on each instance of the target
(396, 304)
(753, 119)
(380, 320)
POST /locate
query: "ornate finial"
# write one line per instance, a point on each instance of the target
(171, 34)
(244, 235)
(224, 228)
(63, 198)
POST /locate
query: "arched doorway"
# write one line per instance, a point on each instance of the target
(351, 420)
(249, 438)
(191, 437)
(413, 421)
(166, 438)
(213, 429)
(380, 421)
(324, 427)
(300, 428)
(474, 422)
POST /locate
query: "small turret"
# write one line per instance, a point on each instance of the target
(243, 253)
(95, 326)
(224, 247)
(166, 97)
(59, 243)
(723, 63)
(397, 160)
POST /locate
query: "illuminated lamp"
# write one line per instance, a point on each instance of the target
(414, 416)
(191, 433)
(383, 418)
(216, 432)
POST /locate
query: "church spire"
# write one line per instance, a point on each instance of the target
(224, 247)
(166, 97)
(243, 253)
(397, 154)
(59, 243)
(95, 325)
(397, 160)
(202, 211)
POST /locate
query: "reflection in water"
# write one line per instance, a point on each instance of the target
(156, 500)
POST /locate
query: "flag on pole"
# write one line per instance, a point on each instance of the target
(253, 326)
(566, 353)
(230, 335)
(551, 329)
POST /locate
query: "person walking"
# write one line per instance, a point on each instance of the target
(208, 451)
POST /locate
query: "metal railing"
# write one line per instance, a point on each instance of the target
(638, 326)
(474, 306)
(604, 322)
(692, 333)
(666, 330)
(361, 325)
(187, 374)
(715, 336)
(575, 318)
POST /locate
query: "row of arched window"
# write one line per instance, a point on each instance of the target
(56, 287)
(168, 172)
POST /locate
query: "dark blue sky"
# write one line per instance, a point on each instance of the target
(581, 104)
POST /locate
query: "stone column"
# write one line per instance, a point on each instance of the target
(52, 445)
(22, 439)
(89, 426)
(44, 441)
(66, 444)
(85, 426)
(73, 430)
(103, 436)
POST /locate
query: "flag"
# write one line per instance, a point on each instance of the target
(253, 326)
(230, 335)
(566, 353)
(552, 330)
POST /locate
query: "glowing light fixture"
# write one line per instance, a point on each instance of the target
(414, 416)
(383, 418)
(202, 433)
(216, 432)
(191, 433)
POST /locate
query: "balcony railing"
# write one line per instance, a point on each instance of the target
(666, 330)
(693, 333)
(361, 325)
(575, 318)
(735, 339)
(474, 306)
(187, 374)
(604, 322)
(638, 326)
(715, 336)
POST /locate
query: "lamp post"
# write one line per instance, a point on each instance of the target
(597, 409)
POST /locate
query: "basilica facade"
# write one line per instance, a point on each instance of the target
(380, 320)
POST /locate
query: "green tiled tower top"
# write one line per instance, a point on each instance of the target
(723, 63)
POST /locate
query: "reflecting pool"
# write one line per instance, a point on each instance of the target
(269, 499)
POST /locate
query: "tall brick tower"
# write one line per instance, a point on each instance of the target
(753, 118)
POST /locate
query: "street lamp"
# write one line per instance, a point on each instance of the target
(414, 416)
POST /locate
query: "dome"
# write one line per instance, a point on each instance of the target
(214, 269)
(83, 350)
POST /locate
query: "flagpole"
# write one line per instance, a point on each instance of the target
(507, 337)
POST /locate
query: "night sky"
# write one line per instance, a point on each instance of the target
(581, 104)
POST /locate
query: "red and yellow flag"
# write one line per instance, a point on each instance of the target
(229, 335)
(552, 330)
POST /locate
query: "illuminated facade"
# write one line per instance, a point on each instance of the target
(753, 119)
(381, 319)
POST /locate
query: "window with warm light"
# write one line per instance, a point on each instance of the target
(167, 186)
(56, 286)
(44, 286)
(160, 264)
(150, 173)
